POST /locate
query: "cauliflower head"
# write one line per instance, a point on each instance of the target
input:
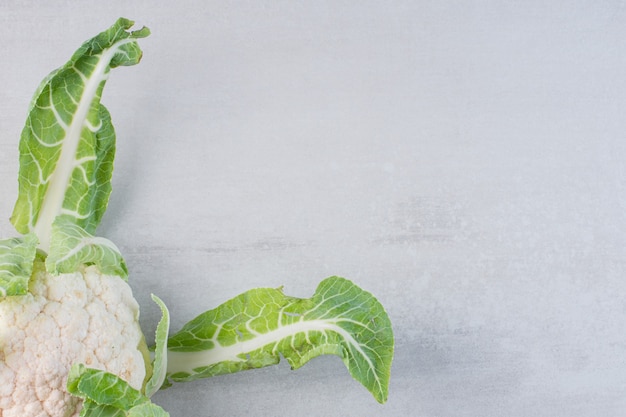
(83, 317)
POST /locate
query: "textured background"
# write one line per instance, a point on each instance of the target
(462, 160)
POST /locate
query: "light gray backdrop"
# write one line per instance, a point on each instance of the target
(462, 160)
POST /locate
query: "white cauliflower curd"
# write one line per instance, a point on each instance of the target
(82, 317)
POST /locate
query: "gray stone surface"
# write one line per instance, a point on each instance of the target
(464, 161)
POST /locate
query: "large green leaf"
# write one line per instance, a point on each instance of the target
(68, 143)
(255, 328)
(16, 264)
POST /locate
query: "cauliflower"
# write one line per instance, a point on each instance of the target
(82, 317)
(70, 342)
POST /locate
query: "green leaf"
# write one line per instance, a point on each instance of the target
(147, 410)
(68, 143)
(92, 409)
(159, 365)
(253, 329)
(102, 387)
(71, 246)
(16, 264)
(107, 395)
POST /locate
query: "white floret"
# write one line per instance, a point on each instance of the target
(84, 317)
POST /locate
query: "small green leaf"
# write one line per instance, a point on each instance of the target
(147, 410)
(16, 264)
(107, 395)
(253, 329)
(159, 365)
(92, 409)
(71, 246)
(102, 387)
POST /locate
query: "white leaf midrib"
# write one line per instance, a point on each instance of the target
(188, 361)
